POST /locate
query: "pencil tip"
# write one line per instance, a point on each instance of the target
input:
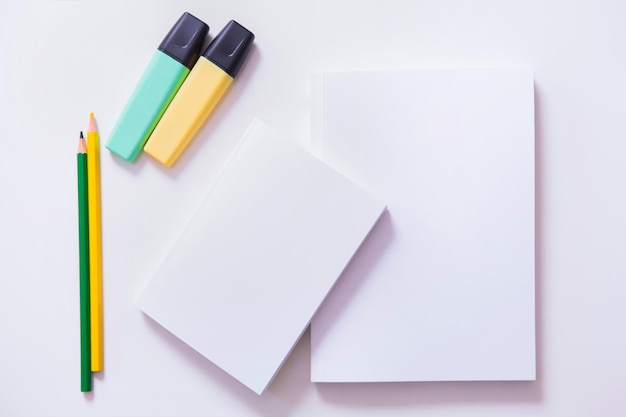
(81, 144)
(92, 123)
(81, 134)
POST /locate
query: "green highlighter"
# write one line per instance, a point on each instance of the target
(165, 73)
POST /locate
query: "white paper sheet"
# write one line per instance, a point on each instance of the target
(444, 287)
(259, 256)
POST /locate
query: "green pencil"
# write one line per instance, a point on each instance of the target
(83, 243)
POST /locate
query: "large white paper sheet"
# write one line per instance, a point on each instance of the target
(444, 288)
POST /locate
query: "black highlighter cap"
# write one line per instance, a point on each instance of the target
(184, 41)
(230, 48)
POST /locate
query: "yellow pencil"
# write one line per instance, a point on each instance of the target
(95, 245)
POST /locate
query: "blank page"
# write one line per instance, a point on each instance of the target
(444, 288)
(259, 256)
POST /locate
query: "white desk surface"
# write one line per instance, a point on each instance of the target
(60, 60)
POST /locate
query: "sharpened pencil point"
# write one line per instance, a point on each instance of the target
(81, 144)
(92, 123)
(81, 135)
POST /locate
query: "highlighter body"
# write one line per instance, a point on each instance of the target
(193, 103)
(153, 93)
(165, 73)
(200, 93)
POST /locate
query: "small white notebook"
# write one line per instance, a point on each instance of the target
(444, 288)
(259, 256)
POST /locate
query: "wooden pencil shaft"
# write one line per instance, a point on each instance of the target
(83, 240)
(95, 247)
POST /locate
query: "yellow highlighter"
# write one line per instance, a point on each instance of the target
(202, 90)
